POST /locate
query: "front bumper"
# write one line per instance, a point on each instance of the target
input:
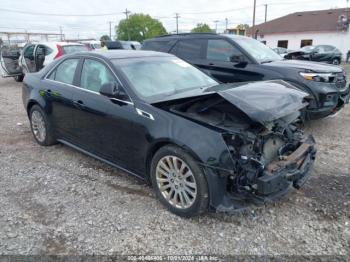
(276, 181)
(293, 170)
(341, 100)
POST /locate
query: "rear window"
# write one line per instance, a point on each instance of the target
(189, 49)
(161, 46)
(68, 49)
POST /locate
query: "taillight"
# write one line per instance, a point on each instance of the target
(60, 52)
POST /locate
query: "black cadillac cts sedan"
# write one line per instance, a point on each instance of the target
(202, 145)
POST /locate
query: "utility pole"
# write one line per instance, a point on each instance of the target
(253, 27)
(226, 20)
(177, 16)
(127, 12)
(110, 29)
(265, 13)
(61, 33)
(216, 25)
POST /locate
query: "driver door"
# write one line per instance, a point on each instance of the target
(218, 58)
(104, 126)
(9, 65)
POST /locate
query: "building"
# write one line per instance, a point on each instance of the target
(293, 31)
(235, 31)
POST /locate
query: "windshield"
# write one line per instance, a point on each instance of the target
(258, 50)
(156, 77)
(68, 49)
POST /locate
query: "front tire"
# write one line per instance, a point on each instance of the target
(179, 182)
(41, 127)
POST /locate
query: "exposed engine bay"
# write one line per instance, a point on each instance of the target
(253, 146)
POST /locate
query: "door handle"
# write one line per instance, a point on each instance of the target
(79, 103)
(48, 92)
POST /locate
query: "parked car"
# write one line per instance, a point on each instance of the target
(92, 45)
(33, 57)
(202, 145)
(127, 45)
(230, 58)
(281, 51)
(319, 53)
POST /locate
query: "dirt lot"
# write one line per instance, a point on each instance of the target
(56, 200)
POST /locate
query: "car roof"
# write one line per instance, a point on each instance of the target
(195, 35)
(122, 54)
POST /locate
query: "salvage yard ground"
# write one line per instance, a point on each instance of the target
(55, 200)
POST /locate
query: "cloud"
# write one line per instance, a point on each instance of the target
(191, 12)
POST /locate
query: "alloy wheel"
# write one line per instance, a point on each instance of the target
(176, 182)
(38, 126)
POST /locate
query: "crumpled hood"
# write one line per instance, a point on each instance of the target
(262, 101)
(306, 65)
(265, 101)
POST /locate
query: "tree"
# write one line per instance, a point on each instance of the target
(201, 28)
(139, 27)
(243, 27)
(105, 38)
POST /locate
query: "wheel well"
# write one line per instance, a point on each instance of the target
(30, 105)
(150, 155)
(154, 150)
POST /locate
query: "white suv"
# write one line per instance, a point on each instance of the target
(33, 57)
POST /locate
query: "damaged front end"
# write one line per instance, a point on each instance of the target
(264, 142)
(269, 162)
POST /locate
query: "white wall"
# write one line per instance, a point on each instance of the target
(341, 40)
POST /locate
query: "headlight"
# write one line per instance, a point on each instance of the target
(319, 77)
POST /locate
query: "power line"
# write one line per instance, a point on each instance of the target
(53, 14)
(120, 12)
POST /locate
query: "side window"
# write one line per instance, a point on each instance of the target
(29, 52)
(221, 50)
(328, 48)
(320, 49)
(94, 75)
(160, 46)
(65, 71)
(189, 49)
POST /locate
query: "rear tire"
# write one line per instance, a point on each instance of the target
(179, 182)
(19, 78)
(41, 127)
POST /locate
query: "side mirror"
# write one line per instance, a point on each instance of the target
(113, 90)
(239, 60)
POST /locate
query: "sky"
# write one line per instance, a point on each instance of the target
(76, 20)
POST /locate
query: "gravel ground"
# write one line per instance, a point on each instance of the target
(55, 200)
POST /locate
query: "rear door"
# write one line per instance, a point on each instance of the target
(192, 51)
(9, 65)
(58, 89)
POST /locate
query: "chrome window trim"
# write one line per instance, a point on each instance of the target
(87, 90)
(90, 91)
